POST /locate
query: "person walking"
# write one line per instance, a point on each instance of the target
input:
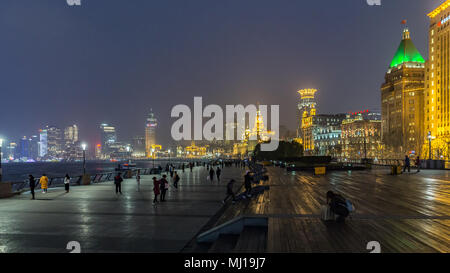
(32, 182)
(156, 190)
(230, 192)
(172, 169)
(163, 187)
(67, 183)
(418, 163)
(118, 181)
(191, 166)
(182, 167)
(248, 184)
(211, 174)
(218, 172)
(407, 164)
(138, 180)
(176, 179)
(44, 183)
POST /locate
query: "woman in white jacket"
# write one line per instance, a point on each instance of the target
(67, 182)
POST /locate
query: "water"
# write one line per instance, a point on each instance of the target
(14, 172)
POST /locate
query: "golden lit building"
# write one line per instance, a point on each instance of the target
(402, 101)
(150, 133)
(306, 105)
(192, 151)
(437, 85)
(361, 138)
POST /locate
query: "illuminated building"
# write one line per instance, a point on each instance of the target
(71, 134)
(361, 138)
(437, 85)
(402, 101)
(54, 142)
(252, 137)
(43, 144)
(11, 151)
(150, 133)
(192, 151)
(24, 148)
(322, 134)
(139, 147)
(108, 139)
(307, 103)
(98, 151)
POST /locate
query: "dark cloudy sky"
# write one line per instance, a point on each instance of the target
(112, 60)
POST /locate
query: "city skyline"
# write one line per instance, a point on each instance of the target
(331, 72)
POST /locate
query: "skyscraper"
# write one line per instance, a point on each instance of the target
(150, 133)
(402, 101)
(54, 141)
(108, 137)
(306, 107)
(43, 143)
(71, 134)
(437, 85)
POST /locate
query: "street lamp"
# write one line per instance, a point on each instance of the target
(83, 146)
(153, 157)
(169, 155)
(128, 154)
(1, 145)
(430, 137)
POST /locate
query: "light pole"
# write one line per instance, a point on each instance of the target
(83, 146)
(153, 157)
(128, 154)
(430, 137)
(1, 145)
(169, 155)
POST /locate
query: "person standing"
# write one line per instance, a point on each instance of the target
(44, 183)
(418, 163)
(218, 172)
(32, 185)
(118, 181)
(190, 166)
(67, 183)
(230, 192)
(407, 164)
(248, 183)
(163, 187)
(176, 179)
(211, 174)
(138, 180)
(182, 167)
(156, 190)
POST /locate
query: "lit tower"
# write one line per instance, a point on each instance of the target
(306, 106)
(150, 133)
(402, 97)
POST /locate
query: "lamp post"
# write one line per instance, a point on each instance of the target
(83, 146)
(169, 155)
(128, 154)
(1, 145)
(153, 157)
(430, 137)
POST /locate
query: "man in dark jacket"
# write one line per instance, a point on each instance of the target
(218, 172)
(118, 181)
(248, 183)
(230, 191)
(211, 174)
(32, 185)
(163, 187)
(176, 179)
(407, 164)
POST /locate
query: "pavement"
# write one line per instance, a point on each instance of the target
(102, 221)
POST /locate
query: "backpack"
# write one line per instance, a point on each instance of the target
(349, 206)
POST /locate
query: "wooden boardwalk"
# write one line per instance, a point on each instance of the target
(407, 214)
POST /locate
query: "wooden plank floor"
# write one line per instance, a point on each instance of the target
(408, 213)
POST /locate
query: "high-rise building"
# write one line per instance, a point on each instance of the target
(34, 147)
(150, 133)
(437, 86)
(71, 134)
(108, 138)
(24, 149)
(11, 151)
(306, 107)
(43, 143)
(54, 142)
(402, 101)
(139, 146)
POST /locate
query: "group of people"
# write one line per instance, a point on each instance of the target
(43, 181)
(407, 163)
(217, 172)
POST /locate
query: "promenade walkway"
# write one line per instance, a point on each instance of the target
(101, 221)
(406, 213)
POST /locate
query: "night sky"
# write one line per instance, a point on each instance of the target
(112, 60)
